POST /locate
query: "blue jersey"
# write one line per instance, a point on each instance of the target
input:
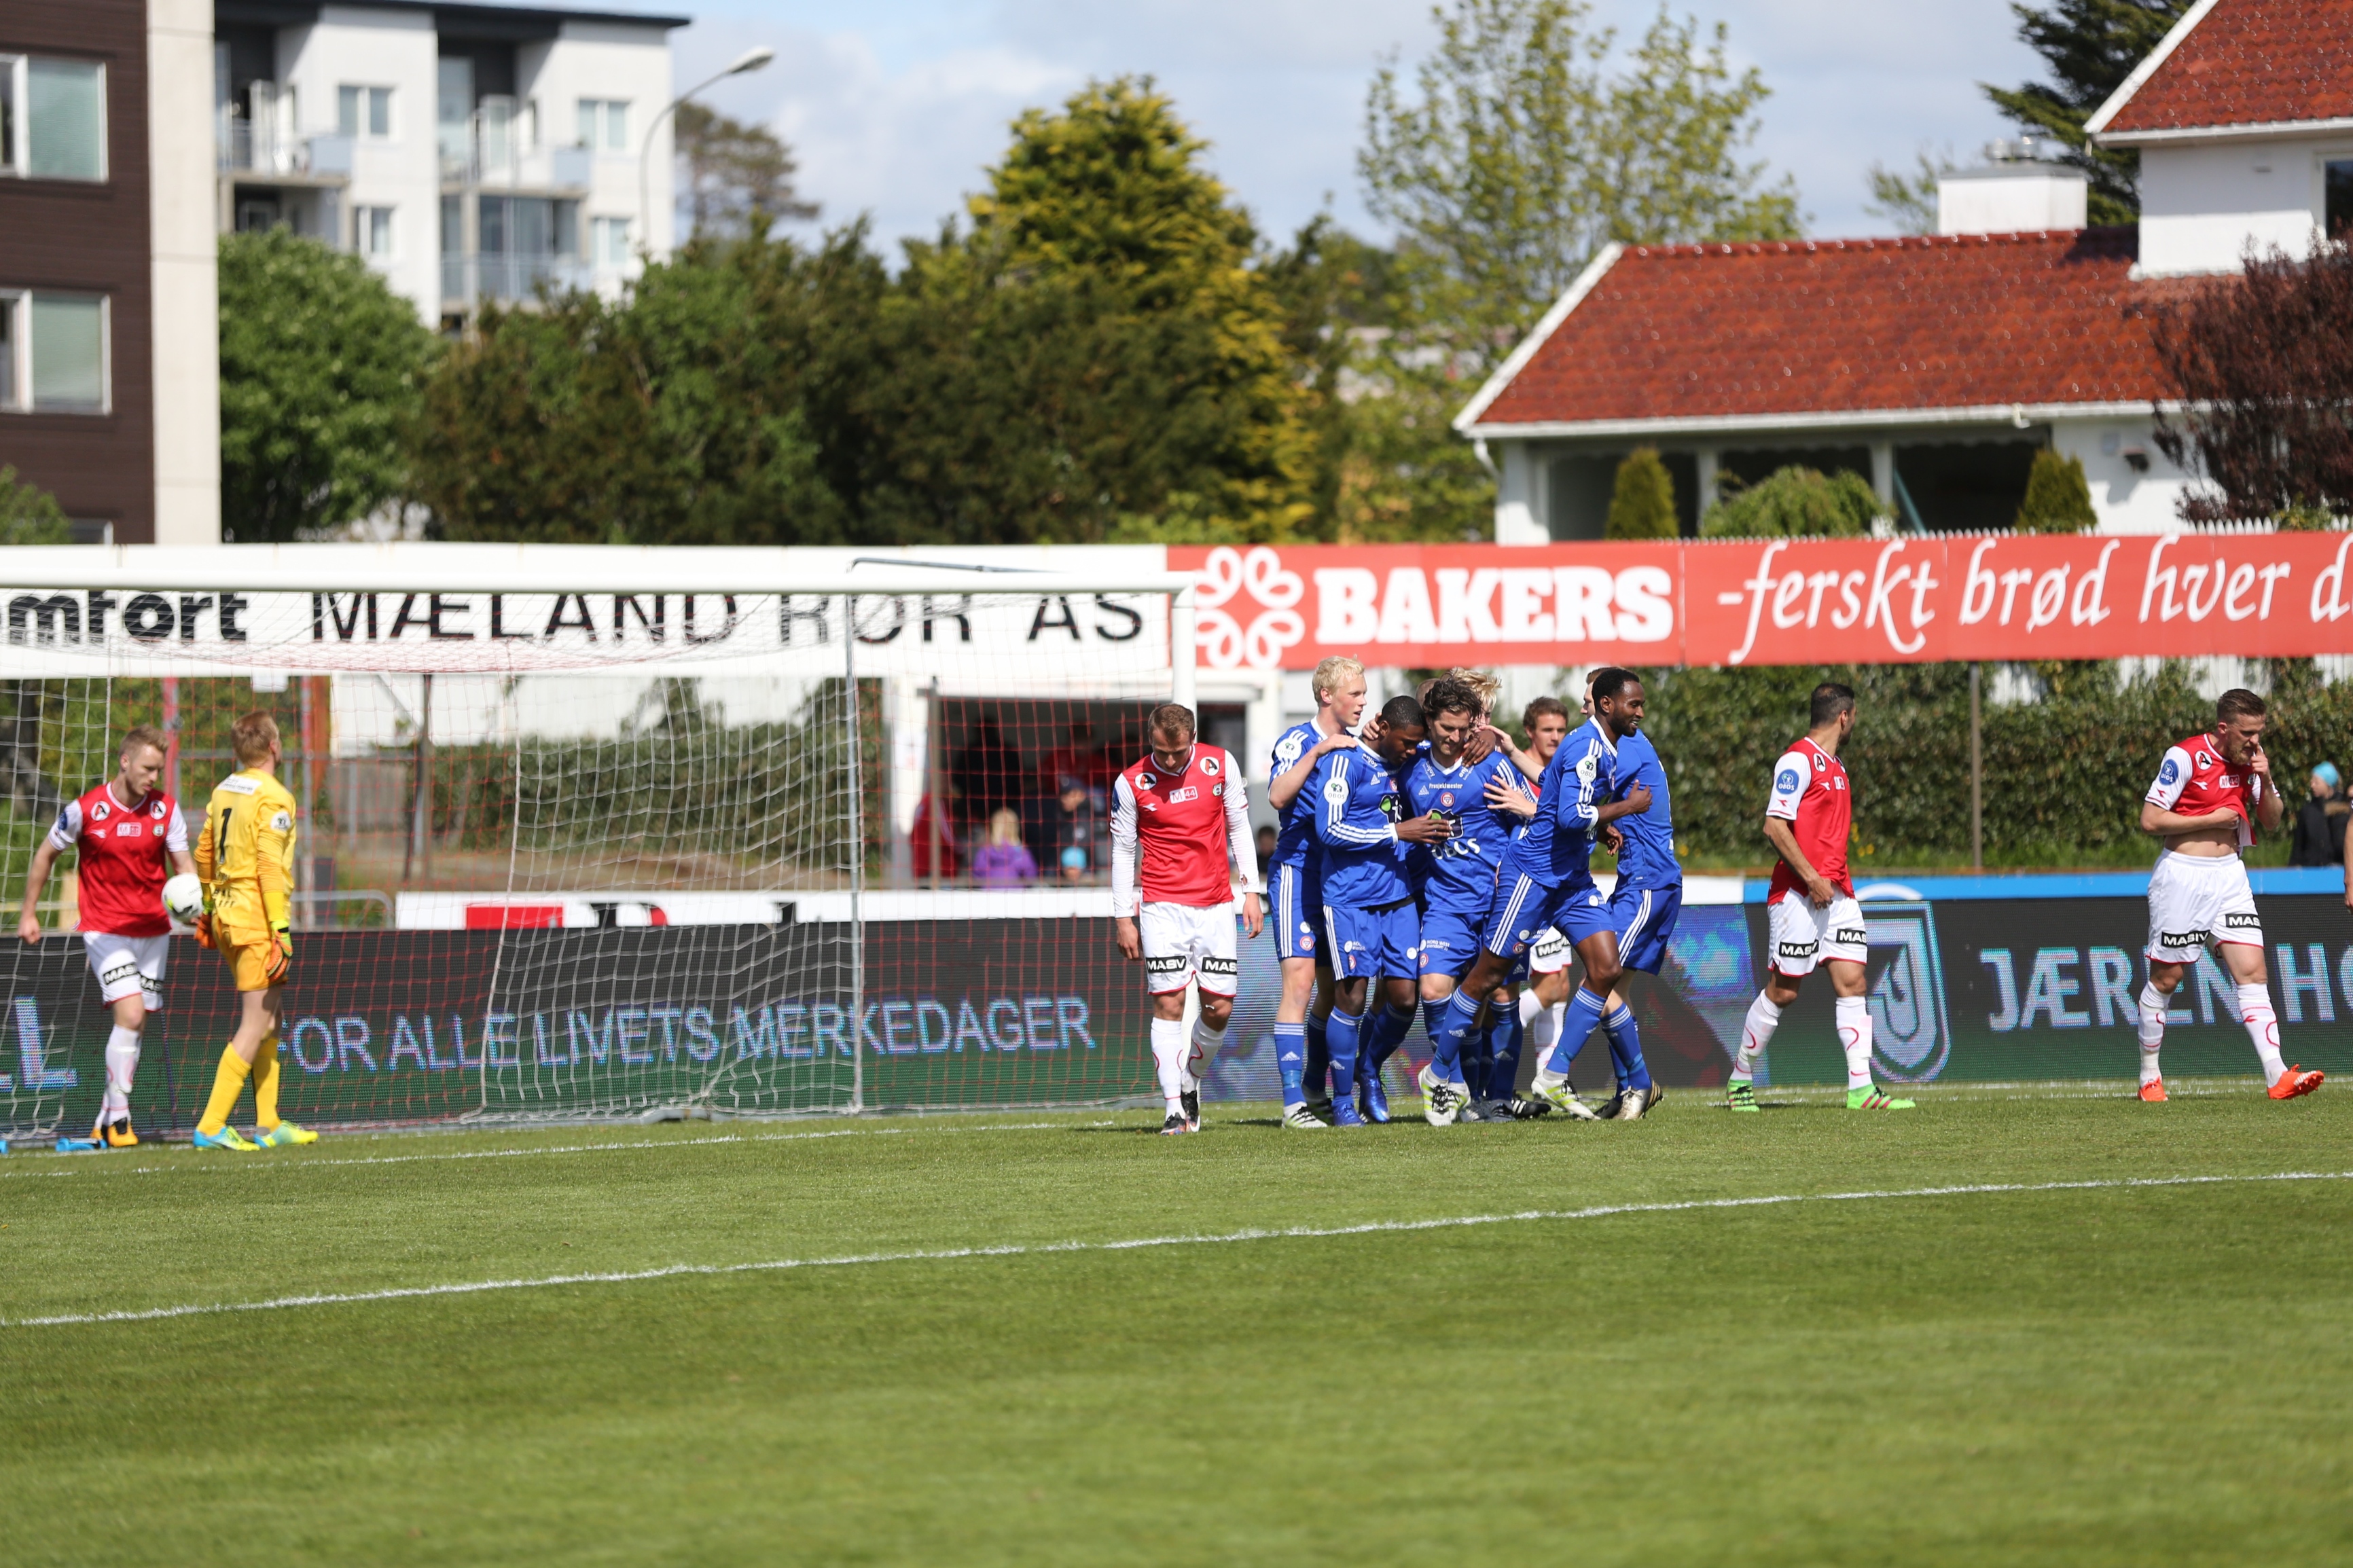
(1648, 861)
(1558, 844)
(1357, 809)
(1295, 838)
(1458, 875)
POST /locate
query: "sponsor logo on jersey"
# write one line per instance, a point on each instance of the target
(1224, 968)
(1337, 791)
(238, 786)
(1178, 796)
(1851, 936)
(130, 829)
(2242, 920)
(2175, 940)
(2171, 771)
(282, 822)
(1165, 962)
(1797, 950)
(1788, 781)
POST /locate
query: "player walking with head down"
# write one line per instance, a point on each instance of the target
(124, 831)
(2211, 790)
(246, 860)
(1183, 813)
(1812, 916)
(1302, 1053)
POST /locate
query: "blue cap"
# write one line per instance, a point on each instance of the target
(1075, 858)
(2327, 773)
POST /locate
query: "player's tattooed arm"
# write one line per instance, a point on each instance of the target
(1819, 891)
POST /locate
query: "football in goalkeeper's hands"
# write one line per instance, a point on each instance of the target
(184, 898)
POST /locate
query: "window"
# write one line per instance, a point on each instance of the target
(363, 111)
(2337, 203)
(371, 232)
(610, 239)
(52, 119)
(453, 113)
(605, 124)
(53, 353)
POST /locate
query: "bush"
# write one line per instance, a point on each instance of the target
(29, 514)
(2058, 498)
(1795, 502)
(1642, 504)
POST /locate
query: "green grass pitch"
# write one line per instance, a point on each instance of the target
(2081, 1374)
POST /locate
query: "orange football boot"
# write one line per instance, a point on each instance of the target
(2295, 1081)
(2153, 1091)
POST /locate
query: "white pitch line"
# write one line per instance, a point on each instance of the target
(96, 1166)
(1371, 1228)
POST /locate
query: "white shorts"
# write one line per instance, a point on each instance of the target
(128, 965)
(1183, 944)
(2197, 899)
(1551, 953)
(1801, 936)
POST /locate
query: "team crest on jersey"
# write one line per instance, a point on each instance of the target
(1209, 766)
(1446, 798)
(156, 811)
(1145, 781)
(100, 812)
(1821, 762)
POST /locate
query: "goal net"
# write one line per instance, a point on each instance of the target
(595, 832)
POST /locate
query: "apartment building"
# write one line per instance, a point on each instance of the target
(470, 153)
(109, 350)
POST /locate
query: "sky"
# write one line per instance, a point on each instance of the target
(894, 107)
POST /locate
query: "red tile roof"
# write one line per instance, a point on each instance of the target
(1681, 332)
(2248, 62)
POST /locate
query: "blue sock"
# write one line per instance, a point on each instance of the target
(1446, 1040)
(1504, 1070)
(1291, 1061)
(1389, 1030)
(1479, 1054)
(1584, 1013)
(1319, 1057)
(1626, 1049)
(1341, 1035)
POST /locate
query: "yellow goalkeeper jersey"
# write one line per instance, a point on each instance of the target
(245, 856)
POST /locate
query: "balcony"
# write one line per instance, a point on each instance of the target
(498, 148)
(261, 150)
(507, 278)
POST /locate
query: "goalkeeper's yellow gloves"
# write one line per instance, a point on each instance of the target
(281, 955)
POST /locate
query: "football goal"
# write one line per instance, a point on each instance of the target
(600, 832)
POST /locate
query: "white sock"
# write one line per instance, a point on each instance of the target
(1206, 1042)
(1168, 1059)
(1536, 1030)
(2262, 1028)
(2153, 1004)
(1755, 1034)
(122, 1065)
(1556, 1020)
(1854, 1037)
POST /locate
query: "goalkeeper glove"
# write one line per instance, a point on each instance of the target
(204, 928)
(281, 955)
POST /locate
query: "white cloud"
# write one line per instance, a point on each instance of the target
(895, 107)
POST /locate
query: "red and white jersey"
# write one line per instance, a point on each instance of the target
(125, 857)
(2195, 781)
(1189, 826)
(1810, 794)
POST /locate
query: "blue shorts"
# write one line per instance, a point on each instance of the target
(1374, 941)
(1449, 941)
(1295, 905)
(1526, 907)
(1645, 919)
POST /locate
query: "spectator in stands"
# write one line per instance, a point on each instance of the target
(1004, 861)
(1076, 758)
(2319, 838)
(987, 773)
(1266, 840)
(919, 843)
(1067, 828)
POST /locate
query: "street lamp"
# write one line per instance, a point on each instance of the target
(751, 59)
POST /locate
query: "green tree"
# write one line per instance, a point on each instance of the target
(736, 171)
(320, 364)
(2058, 498)
(2090, 48)
(1909, 201)
(1796, 503)
(1643, 501)
(1515, 154)
(29, 514)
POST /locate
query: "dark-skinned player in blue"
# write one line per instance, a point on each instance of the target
(1643, 907)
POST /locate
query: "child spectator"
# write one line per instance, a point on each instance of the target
(1004, 861)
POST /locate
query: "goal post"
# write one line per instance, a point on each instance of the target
(593, 832)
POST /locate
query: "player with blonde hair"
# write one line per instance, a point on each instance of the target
(246, 858)
(1295, 891)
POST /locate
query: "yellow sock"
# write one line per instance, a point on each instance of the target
(265, 1083)
(228, 1084)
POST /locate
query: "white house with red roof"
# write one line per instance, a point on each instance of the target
(1938, 365)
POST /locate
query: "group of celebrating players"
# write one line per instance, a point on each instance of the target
(1425, 857)
(234, 886)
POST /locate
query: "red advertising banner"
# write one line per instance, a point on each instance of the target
(1817, 600)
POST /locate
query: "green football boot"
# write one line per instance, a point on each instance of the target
(1876, 1098)
(1741, 1096)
